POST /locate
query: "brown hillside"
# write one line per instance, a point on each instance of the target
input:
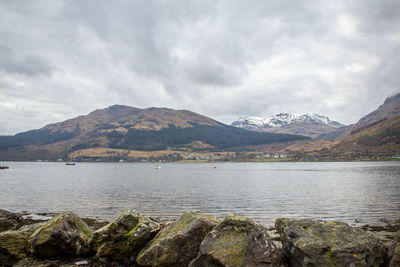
(390, 108)
(128, 128)
(383, 135)
(118, 117)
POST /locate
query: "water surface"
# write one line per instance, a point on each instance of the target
(362, 191)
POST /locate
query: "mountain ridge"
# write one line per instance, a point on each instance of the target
(124, 127)
(309, 124)
(374, 136)
(282, 119)
(389, 108)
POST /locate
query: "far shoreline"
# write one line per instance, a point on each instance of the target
(211, 162)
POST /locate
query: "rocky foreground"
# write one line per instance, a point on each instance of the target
(193, 240)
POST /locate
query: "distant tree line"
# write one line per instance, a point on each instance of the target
(35, 137)
(222, 137)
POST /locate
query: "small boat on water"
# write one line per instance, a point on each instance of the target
(212, 163)
(70, 163)
(157, 167)
(3, 167)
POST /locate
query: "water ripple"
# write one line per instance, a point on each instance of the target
(362, 191)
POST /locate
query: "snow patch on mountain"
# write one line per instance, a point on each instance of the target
(283, 119)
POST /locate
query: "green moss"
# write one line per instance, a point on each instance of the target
(329, 243)
(166, 237)
(117, 233)
(230, 241)
(141, 221)
(182, 224)
(14, 243)
(237, 223)
(44, 233)
(123, 238)
(230, 247)
(329, 258)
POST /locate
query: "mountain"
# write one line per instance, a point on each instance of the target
(377, 134)
(389, 109)
(128, 128)
(385, 132)
(374, 136)
(311, 125)
(378, 140)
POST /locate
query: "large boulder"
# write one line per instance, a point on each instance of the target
(178, 243)
(64, 235)
(9, 221)
(394, 251)
(311, 243)
(13, 244)
(395, 257)
(237, 241)
(123, 238)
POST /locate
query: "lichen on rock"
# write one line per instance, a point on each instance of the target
(311, 243)
(123, 238)
(394, 252)
(237, 241)
(9, 220)
(178, 243)
(13, 243)
(64, 235)
(198, 240)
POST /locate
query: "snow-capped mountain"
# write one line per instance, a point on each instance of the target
(305, 124)
(283, 119)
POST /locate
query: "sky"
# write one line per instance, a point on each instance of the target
(223, 59)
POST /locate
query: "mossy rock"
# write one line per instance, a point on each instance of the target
(178, 243)
(115, 230)
(237, 241)
(123, 238)
(9, 220)
(395, 257)
(311, 243)
(13, 244)
(64, 235)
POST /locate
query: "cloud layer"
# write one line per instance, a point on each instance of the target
(223, 59)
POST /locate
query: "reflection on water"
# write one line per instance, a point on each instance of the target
(362, 191)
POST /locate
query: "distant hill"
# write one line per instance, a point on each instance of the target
(375, 136)
(379, 129)
(389, 109)
(124, 127)
(384, 134)
(311, 125)
(378, 140)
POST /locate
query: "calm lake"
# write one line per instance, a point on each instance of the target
(362, 191)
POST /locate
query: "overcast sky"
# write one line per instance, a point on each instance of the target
(223, 59)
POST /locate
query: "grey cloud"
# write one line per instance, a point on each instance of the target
(207, 72)
(31, 65)
(377, 17)
(221, 58)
